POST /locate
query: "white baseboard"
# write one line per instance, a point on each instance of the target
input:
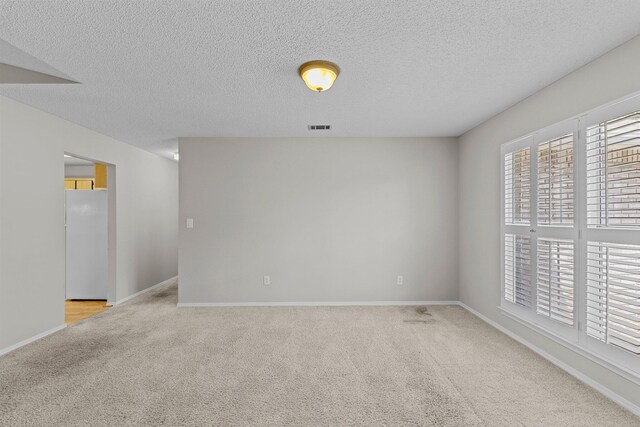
(32, 339)
(569, 369)
(170, 281)
(312, 303)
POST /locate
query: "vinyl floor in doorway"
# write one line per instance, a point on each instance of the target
(147, 362)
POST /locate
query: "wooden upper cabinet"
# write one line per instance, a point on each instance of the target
(101, 176)
(97, 183)
(84, 184)
(79, 184)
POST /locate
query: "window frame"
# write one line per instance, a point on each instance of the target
(535, 232)
(623, 362)
(608, 234)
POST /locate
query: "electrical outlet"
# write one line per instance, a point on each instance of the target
(400, 280)
(266, 280)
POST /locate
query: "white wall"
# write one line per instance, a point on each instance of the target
(610, 77)
(328, 219)
(32, 216)
(79, 171)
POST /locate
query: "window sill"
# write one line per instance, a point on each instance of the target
(607, 363)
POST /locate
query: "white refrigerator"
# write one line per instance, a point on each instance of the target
(86, 244)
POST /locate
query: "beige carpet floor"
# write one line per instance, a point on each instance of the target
(147, 362)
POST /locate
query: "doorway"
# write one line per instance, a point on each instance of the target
(86, 238)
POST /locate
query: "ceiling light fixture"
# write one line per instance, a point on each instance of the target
(319, 75)
(176, 156)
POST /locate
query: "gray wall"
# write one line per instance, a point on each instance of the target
(612, 76)
(32, 276)
(327, 219)
(79, 171)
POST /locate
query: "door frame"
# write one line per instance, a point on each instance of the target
(111, 228)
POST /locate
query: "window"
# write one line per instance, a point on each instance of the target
(613, 172)
(571, 232)
(555, 280)
(517, 273)
(517, 168)
(613, 294)
(555, 181)
(539, 262)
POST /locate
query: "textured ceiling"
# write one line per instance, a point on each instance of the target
(154, 71)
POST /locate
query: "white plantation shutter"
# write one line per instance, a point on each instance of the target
(555, 181)
(539, 280)
(517, 269)
(517, 186)
(613, 214)
(571, 232)
(613, 294)
(555, 280)
(613, 172)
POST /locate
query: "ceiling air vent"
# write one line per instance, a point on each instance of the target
(319, 127)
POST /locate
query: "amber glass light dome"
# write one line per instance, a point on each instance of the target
(319, 75)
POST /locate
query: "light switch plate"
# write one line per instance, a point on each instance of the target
(189, 222)
(400, 280)
(266, 280)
